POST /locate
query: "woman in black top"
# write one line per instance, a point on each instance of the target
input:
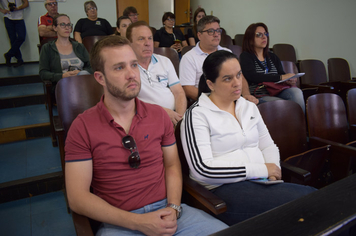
(167, 36)
(259, 65)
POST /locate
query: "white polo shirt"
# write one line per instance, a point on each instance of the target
(156, 82)
(191, 65)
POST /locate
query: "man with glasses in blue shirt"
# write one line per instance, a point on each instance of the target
(45, 22)
(190, 67)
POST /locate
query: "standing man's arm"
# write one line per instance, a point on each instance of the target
(23, 6)
(173, 177)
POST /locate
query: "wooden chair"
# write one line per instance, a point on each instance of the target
(285, 121)
(225, 40)
(327, 121)
(89, 41)
(236, 49)
(74, 95)
(195, 194)
(238, 39)
(351, 107)
(186, 49)
(171, 54)
(285, 52)
(339, 70)
(315, 75)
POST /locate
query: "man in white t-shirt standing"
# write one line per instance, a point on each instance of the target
(159, 81)
(190, 67)
(15, 26)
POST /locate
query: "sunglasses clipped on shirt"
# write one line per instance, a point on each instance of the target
(260, 35)
(134, 159)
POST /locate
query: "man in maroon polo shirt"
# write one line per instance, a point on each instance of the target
(125, 150)
(45, 29)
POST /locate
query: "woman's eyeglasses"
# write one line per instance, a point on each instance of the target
(260, 35)
(64, 25)
(91, 8)
(51, 4)
(171, 19)
(134, 159)
(212, 31)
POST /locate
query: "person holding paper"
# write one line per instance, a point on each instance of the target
(259, 65)
(226, 143)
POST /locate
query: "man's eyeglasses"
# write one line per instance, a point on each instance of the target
(64, 25)
(134, 159)
(134, 14)
(260, 35)
(212, 31)
(91, 8)
(52, 4)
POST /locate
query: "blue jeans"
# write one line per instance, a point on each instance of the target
(294, 94)
(192, 222)
(16, 30)
(247, 199)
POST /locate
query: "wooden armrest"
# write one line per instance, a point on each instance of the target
(82, 225)
(320, 86)
(295, 172)
(334, 145)
(204, 196)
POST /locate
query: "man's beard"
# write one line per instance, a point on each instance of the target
(122, 94)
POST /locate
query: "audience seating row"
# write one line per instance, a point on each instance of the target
(325, 155)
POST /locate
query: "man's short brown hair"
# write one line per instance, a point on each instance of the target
(134, 25)
(129, 10)
(96, 59)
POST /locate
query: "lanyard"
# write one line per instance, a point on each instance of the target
(266, 68)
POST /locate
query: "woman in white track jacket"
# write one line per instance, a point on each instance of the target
(226, 143)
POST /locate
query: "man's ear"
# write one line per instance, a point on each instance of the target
(99, 77)
(198, 35)
(118, 30)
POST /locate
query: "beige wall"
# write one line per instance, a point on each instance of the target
(317, 29)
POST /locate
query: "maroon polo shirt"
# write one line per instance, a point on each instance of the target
(94, 135)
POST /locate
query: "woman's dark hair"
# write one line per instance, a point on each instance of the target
(211, 69)
(55, 19)
(248, 44)
(166, 15)
(197, 11)
(119, 21)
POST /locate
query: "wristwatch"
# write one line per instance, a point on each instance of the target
(179, 209)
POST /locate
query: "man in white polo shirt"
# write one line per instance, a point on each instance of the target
(159, 81)
(190, 67)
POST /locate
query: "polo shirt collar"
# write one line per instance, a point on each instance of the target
(47, 15)
(141, 110)
(200, 52)
(153, 59)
